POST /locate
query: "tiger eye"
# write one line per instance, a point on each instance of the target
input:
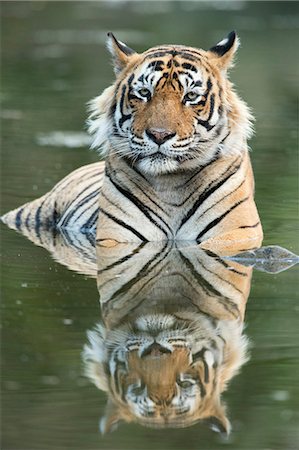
(191, 96)
(144, 92)
(185, 384)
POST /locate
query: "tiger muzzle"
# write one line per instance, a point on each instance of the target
(159, 135)
(155, 350)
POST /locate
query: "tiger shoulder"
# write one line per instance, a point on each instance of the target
(173, 133)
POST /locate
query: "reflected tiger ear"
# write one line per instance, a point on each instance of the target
(218, 421)
(94, 355)
(223, 52)
(109, 422)
(120, 52)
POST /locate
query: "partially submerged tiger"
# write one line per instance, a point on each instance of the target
(174, 135)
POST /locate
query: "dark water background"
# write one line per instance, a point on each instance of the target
(53, 61)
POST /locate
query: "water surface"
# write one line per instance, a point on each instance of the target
(54, 61)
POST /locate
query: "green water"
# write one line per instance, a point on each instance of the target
(53, 61)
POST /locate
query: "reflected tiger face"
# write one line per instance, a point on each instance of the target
(157, 374)
(162, 372)
(172, 107)
(163, 387)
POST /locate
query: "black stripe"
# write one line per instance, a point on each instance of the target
(89, 206)
(222, 198)
(201, 168)
(27, 222)
(241, 250)
(218, 219)
(175, 77)
(203, 283)
(187, 54)
(91, 239)
(143, 208)
(202, 388)
(115, 131)
(144, 272)
(130, 79)
(84, 190)
(91, 221)
(193, 51)
(210, 290)
(157, 54)
(189, 67)
(223, 263)
(128, 163)
(212, 104)
(163, 77)
(214, 158)
(200, 356)
(165, 48)
(123, 224)
(205, 124)
(122, 260)
(121, 107)
(220, 278)
(55, 215)
(147, 196)
(118, 365)
(198, 83)
(112, 203)
(18, 219)
(156, 65)
(250, 226)
(209, 85)
(37, 220)
(82, 202)
(225, 137)
(112, 109)
(187, 74)
(206, 93)
(207, 192)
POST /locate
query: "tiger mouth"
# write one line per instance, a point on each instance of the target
(160, 157)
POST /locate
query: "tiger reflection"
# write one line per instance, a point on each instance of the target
(172, 335)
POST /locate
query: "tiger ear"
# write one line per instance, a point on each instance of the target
(223, 52)
(120, 52)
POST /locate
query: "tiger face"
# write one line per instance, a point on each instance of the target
(171, 108)
(163, 372)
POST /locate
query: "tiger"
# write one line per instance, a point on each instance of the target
(173, 133)
(171, 337)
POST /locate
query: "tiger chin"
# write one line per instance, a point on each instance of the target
(173, 133)
(165, 370)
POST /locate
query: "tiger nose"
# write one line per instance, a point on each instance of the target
(159, 135)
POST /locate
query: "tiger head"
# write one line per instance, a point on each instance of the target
(162, 370)
(172, 108)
